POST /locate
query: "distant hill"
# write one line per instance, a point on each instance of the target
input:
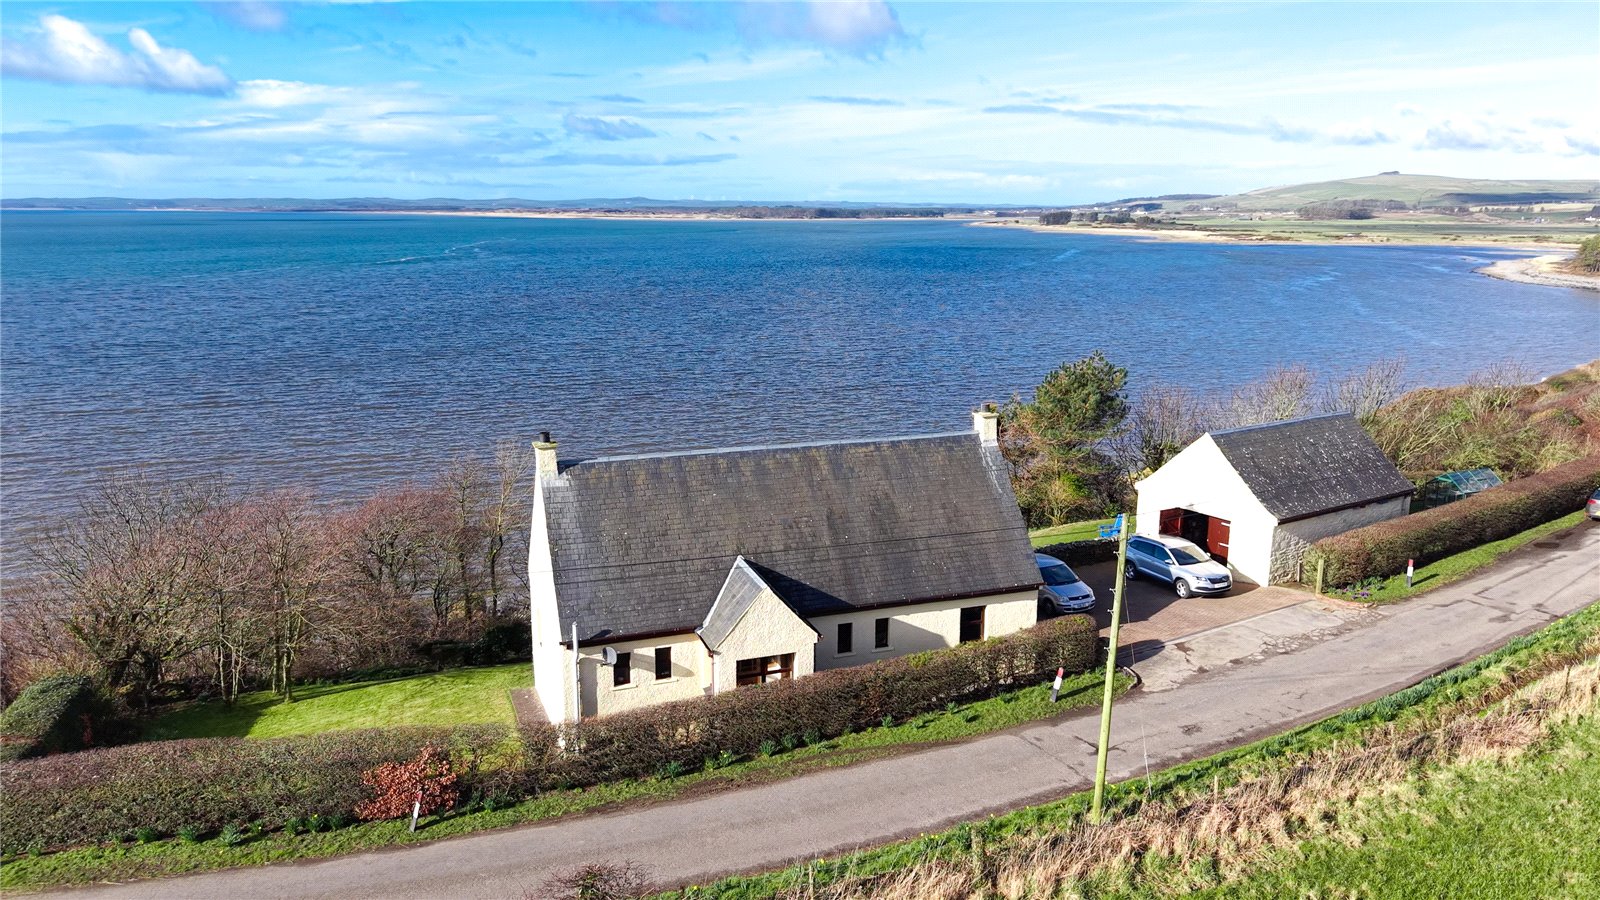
(1417, 191)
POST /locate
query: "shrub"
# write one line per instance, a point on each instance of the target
(56, 714)
(680, 736)
(210, 783)
(427, 782)
(1381, 550)
(598, 881)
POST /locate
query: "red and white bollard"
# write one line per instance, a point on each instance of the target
(1055, 689)
(1410, 569)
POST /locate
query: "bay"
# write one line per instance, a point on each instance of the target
(339, 352)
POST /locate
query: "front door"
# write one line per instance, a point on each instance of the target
(1218, 532)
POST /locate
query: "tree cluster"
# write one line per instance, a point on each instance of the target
(151, 581)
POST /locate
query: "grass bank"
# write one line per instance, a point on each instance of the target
(1072, 531)
(1453, 568)
(1200, 825)
(1495, 827)
(123, 861)
(454, 697)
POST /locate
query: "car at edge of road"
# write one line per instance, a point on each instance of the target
(1167, 558)
(1592, 508)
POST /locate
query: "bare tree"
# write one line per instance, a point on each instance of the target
(1362, 393)
(1284, 393)
(505, 527)
(292, 580)
(1165, 419)
(127, 575)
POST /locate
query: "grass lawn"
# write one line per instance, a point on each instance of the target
(1527, 829)
(1072, 531)
(1454, 568)
(454, 697)
(173, 857)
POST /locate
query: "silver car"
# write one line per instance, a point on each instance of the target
(1063, 591)
(1167, 558)
(1592, 508)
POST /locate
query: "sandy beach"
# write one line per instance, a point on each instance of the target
(1541, 270)
(1215, 236)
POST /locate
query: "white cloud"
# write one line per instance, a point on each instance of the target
(66, 52)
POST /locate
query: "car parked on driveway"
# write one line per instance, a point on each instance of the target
(1166, 558)
(1063, 591)
(1592, 508)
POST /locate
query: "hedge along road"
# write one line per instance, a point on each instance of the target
(1287, 668)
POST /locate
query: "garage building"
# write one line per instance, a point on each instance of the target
(1257, 497)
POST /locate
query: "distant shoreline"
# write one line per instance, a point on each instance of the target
(687, 214)
(1213, 236)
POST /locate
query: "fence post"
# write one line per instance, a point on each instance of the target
(1320, 561)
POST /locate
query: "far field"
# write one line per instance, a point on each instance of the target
(454, 697)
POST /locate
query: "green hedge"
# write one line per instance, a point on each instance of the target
(208, 783)
(1381, 550)
(1081, 553)
(827, 704)
(56, 714)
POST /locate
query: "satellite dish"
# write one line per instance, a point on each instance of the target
(608, 655)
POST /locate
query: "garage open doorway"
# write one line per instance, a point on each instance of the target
(1209, 533)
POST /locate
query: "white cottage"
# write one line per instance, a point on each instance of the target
(674, 575)
(1257, 497)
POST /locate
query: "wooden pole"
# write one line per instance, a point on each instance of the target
(1097, 812)
(1320, 562)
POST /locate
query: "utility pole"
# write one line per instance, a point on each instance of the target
(1097, 811)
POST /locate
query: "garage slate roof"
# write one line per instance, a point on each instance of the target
(1307, 467)
(642, 545)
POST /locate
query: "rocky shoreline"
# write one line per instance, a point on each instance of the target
(1540, 270)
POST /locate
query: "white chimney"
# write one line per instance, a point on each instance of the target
(986, 422)
(544, 456)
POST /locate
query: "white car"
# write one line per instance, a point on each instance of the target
(1190, 570)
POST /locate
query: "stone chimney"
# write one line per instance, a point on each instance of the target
(986, 422)
(544, 456)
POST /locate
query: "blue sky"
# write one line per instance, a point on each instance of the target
(863, 100)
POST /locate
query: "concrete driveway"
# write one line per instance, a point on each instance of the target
(1152, 614)
(1222, 688)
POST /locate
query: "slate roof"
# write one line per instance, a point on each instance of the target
(643, 545)
(1307, 467)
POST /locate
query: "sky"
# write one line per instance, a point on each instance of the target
(857, 100)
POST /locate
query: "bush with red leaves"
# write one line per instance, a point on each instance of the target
(428, 778)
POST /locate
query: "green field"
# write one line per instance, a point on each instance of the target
(455, 697)
(1416, 190)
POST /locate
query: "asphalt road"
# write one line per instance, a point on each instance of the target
(1258, 677)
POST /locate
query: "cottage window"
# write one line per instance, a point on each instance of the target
(663, 663)
(762, 669)
(880, 634)
(971, 624)
(622, 672)
(847, 642)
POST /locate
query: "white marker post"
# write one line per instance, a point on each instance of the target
(1410, 568)
(416, 810)
(1055, 689)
